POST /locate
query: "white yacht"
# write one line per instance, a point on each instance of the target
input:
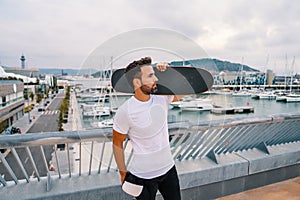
(197, 104)
(280, 98)
(96, 113)
(190, 103)
(95, 110)
(225, 91)
(292, 97)
(204, 107)
(107, 123)
(241, 93)
(264, 95)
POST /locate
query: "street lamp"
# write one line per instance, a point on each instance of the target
(29, 120)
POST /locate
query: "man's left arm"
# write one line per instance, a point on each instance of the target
(178, 97)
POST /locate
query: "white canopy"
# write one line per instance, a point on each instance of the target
(26, 79)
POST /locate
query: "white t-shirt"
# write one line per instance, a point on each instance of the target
(147, 127)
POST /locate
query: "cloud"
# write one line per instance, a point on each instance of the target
(63, 33)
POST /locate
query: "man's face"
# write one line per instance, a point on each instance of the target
(148, 80)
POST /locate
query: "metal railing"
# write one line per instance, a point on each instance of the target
(88, 152)
(236, 135)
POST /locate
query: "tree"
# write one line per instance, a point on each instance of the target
(31, 95)
(64, 107)
(38, 98)
(47, 92)
(25, 96)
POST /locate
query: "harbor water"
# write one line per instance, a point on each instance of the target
(262, 108)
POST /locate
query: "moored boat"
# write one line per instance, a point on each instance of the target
(264, 95)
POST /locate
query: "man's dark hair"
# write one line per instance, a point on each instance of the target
(133, 70)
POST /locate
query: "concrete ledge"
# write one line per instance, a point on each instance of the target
(280, 156)
(193, 173)
(97, 186)
(240, 184)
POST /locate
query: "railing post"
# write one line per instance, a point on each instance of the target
(13, 150)
(10, 171)
(32, 162)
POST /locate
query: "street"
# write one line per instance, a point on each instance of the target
(47, 122)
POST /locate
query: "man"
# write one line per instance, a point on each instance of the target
(143, 118)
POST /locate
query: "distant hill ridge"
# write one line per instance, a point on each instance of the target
(214, 65)
(206, 63)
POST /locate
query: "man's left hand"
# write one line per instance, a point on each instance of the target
(162, 66)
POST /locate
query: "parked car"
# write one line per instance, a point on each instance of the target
(41, 109)
(15, 130)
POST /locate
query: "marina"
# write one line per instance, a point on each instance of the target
(212, 105)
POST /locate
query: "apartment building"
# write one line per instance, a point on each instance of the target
(11, 102)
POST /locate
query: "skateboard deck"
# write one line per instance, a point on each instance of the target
(173, 81)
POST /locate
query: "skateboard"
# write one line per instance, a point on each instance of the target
(173, 81)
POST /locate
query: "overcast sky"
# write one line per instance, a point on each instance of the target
(62, 33)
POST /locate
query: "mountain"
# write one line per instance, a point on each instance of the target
(214, 65)
(209, 64)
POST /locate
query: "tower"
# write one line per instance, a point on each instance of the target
(22, 61)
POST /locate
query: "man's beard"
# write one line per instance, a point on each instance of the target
(147, 90)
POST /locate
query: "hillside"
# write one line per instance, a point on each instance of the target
(205, 63)
(214, 65)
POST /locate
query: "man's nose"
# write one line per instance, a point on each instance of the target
(155, 78)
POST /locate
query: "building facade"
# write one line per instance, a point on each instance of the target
(11, 102)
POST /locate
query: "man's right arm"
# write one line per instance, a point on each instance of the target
(118, 139)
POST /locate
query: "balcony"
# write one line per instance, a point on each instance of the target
(11, 102)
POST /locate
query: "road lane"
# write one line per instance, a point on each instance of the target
(47, 122)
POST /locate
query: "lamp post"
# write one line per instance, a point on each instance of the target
(29, 120)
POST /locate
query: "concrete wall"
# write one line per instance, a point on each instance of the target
(252, 169)
(7, 87)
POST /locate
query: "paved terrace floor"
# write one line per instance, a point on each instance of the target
(285, 190)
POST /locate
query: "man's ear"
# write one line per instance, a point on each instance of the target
(137, 83)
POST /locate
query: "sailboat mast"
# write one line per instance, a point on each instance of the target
(292, 66)
(265, 81)
(241, 76)
(285, 72)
